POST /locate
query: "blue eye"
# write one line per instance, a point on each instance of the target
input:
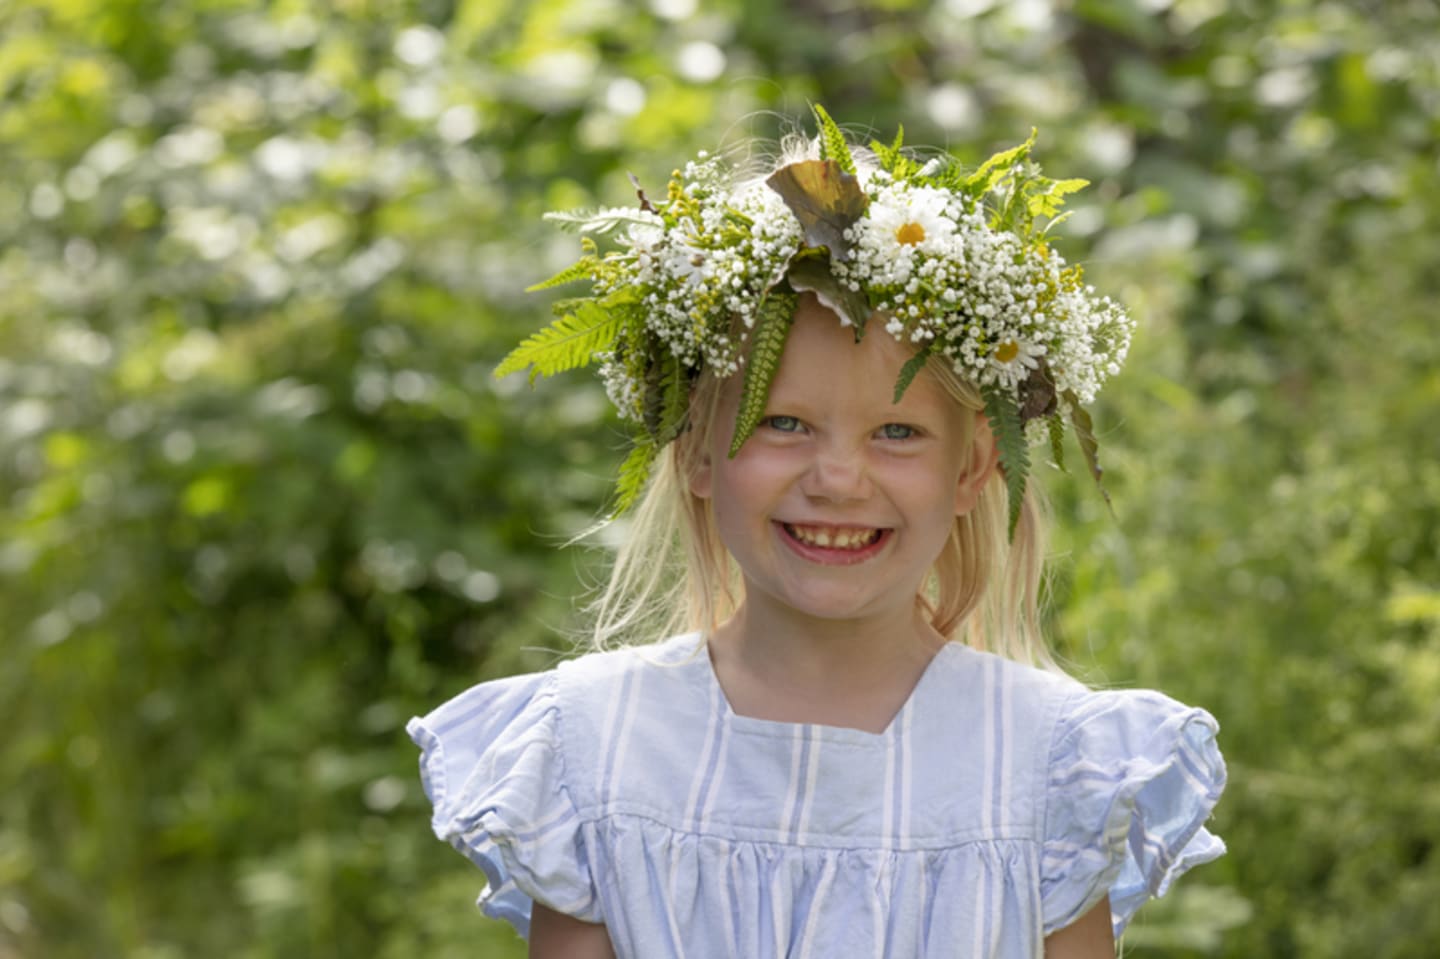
(897, 431)
(785, 424)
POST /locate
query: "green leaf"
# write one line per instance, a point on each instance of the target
(1056, 427)
(667, 398)
(890, 155)
(604, 220)
(912, 369)
(1049, 201)
(569, 342)
(892, 160)
(581, 269)
(1004, 416)
(1089, 446)
(634, 474)
(813, 274)
(824, 198)
(832, 141)
(999, 166)
(569, 304)
(1015, 214)
(767, 344)
(676, 411)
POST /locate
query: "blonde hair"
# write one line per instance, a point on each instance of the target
(672, 573)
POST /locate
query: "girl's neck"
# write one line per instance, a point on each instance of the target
(853, 673)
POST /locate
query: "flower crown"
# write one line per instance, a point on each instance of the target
(954, 262)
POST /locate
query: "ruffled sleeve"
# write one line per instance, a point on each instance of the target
(1133, 775)
(493, 767)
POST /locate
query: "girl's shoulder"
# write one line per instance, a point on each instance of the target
(597, 689)
(981, 688)
(1118, 784)
(605, 667)
(1069, 715)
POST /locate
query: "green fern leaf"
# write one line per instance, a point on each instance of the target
(912, 369)
(1050, 197)
(568, 305)
(581, 269)
(832, 141)
(634, 474)
(667, 397)
(569, 342)
(675, 405)
(767, 343)
(995, 169)
(889, 156)
(1056, 427)
(1004, 416)
(882, 156)
(605, 220)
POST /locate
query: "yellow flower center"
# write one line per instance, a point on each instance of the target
(910, 234)
(1007, 351)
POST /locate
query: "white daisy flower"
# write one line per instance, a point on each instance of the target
(911, 217)
(1013, 359)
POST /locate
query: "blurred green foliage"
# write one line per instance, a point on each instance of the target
(260, 499)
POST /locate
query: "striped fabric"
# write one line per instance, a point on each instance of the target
(1000, 804)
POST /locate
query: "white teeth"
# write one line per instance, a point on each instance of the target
(839, 539)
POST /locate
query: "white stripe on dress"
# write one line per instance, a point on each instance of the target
(811, 775)
(923, 935)
(1006, 747)
(822, 889)
(669, 908)
(775, 917)
(884, 884)
(727, 911)
(787, 814)
(887, 821)
(531, 832)
(627, 724)
(977, 948)
(723, 750)
(712, 724)
(906, 778)
(987, 733)
(607, 738)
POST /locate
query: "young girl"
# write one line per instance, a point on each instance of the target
(853, 742)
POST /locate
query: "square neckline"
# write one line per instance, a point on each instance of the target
(787, 729)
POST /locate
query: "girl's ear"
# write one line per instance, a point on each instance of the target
(980, 465)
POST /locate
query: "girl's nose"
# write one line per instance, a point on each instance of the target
(837, 474)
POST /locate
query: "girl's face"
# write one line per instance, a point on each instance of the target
(840, 502)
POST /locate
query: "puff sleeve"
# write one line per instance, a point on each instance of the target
(1133, 775)
(492, 764)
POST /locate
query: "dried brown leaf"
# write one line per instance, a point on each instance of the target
(824, 198)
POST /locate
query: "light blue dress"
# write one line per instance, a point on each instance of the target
(1001, 804)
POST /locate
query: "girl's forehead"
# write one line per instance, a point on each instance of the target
(816, 324)
(819, 342)
(824, 365)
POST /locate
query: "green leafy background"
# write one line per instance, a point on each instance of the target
(261, 500)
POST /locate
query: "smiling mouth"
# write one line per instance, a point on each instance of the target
(845, 538)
